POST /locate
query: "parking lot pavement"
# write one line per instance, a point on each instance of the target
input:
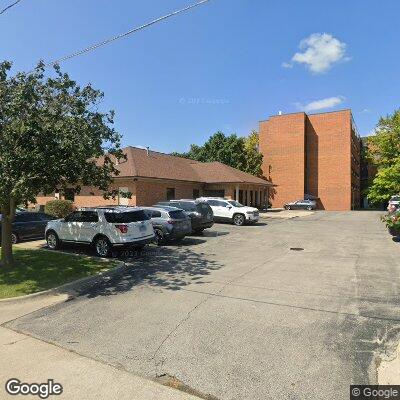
(289, 309)
(285, 214)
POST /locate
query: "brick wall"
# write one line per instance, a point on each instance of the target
(331, 172)
(282, 143)
(91, 197)
(315, 154)
(149, 192)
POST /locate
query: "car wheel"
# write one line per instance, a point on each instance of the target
(309, 208)
(53, 242)
(199, 231)
(159, 237)
(102, 246)
(238, 219)
(288, 207)
(14, 238)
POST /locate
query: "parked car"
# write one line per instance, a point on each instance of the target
(28, 226)
(231, 210)
(105, 228)
(304, 204)
(200, 213)
(168, 223)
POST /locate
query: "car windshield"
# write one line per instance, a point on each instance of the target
(177, 214)
(188, 206)
(126, 217)
(235, 203)
(395, 198)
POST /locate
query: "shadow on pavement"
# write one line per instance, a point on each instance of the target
(163, 267)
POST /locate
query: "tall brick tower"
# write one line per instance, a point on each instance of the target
(316, 154)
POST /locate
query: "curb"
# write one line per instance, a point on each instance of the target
(72, 289)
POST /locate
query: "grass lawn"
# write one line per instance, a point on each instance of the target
(38, 270)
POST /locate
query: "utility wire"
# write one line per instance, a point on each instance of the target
(122, 35)
(8, 7)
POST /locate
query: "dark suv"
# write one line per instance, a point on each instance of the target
(199, 212)
(28, 225)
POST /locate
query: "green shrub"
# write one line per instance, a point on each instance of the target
(59, 208)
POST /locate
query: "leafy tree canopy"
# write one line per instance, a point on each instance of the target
(237, 152)
(384, 152)
(51, 138)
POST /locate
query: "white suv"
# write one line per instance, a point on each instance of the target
(231, 210)
(103, 227)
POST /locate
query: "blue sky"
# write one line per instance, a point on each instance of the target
(222, 66)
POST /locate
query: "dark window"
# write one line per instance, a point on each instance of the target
(187, 206)
(45, 217)
(170, 193)
(178, 214)
(196, 193)
(214, 193)
(126, 217)
(73, 217)
(214, 203)
(89, 216)
(153, 213)
(69, 194)
(204, 207)
(26, 217)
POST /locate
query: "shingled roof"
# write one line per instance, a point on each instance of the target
(164, 166)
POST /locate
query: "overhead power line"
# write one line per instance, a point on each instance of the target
(122, 35)
(8, 7)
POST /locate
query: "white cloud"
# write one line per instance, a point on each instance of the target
(365, 111)
(320, 51)
(287, 65)
(321, 104)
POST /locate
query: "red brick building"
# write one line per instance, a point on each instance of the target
(316, 154)
(151, 176)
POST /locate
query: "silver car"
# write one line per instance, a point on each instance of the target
(169, 223)
(304, 204)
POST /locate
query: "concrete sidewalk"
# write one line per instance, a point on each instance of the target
(31, 360)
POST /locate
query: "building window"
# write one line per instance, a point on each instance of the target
(214, 193)
(69, 195)
(170, 193)
(196, 193)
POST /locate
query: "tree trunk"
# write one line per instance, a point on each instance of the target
(8, 213)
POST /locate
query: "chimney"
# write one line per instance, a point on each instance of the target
(148, 151)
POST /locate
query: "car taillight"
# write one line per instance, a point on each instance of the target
(122, 228)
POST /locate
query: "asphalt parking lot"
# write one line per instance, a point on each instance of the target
(243, 312)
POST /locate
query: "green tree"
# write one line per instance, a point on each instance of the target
(51, 138)
(384, 152)
(237, 152)
(253, 156)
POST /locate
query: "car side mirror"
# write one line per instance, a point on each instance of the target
(229, 207)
